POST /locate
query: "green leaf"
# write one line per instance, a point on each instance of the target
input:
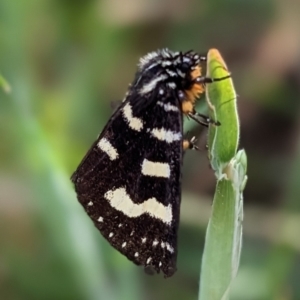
(221, 98)
(224, 232)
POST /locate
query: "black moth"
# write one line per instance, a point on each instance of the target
(129, 182)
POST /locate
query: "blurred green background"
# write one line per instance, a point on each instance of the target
(66, 62)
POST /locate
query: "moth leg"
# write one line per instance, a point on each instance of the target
(190, 144)
(204, 79)
(202, 119)
(188, 106)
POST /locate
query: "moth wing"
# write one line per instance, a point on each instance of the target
(129, 182)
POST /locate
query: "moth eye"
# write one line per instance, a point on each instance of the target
(185, 67)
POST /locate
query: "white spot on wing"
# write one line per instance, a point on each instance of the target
(156, 169)
(168, 106)
(148, 260)
(162, 244)
(133, 122)
(166, 135)
(144, 240)
(111, 234)
(155, 242)
(121, 201)
(160, 264)
(100, 219)
(169, 248)
(108, 148)
(90, 203)
(136, 254)
(124, 244)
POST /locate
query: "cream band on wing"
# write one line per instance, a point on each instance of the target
(133, 122)
(108, 148)
(121, 201)
(166, 135)
(156, 169)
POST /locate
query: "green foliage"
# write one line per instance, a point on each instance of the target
(4, 85)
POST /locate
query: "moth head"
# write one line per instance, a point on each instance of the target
(174, 70)
(174, 64)
(188, 69)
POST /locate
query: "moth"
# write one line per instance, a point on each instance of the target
(129, 182)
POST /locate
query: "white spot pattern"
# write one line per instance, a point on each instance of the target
(172, 73)
(151, 85)
(180, 73)
(169, 248)
(121, 201)
(133, 122)
(186, 59)
(155, 169)
(167, 106)
(166, 135)
(172, 85)
(148, 260)
(155, 242)
(147, 58)
(108, 148)
(166, 63)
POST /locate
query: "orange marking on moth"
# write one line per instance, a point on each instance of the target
(187, 107)
(186, 144)
(193, 92)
